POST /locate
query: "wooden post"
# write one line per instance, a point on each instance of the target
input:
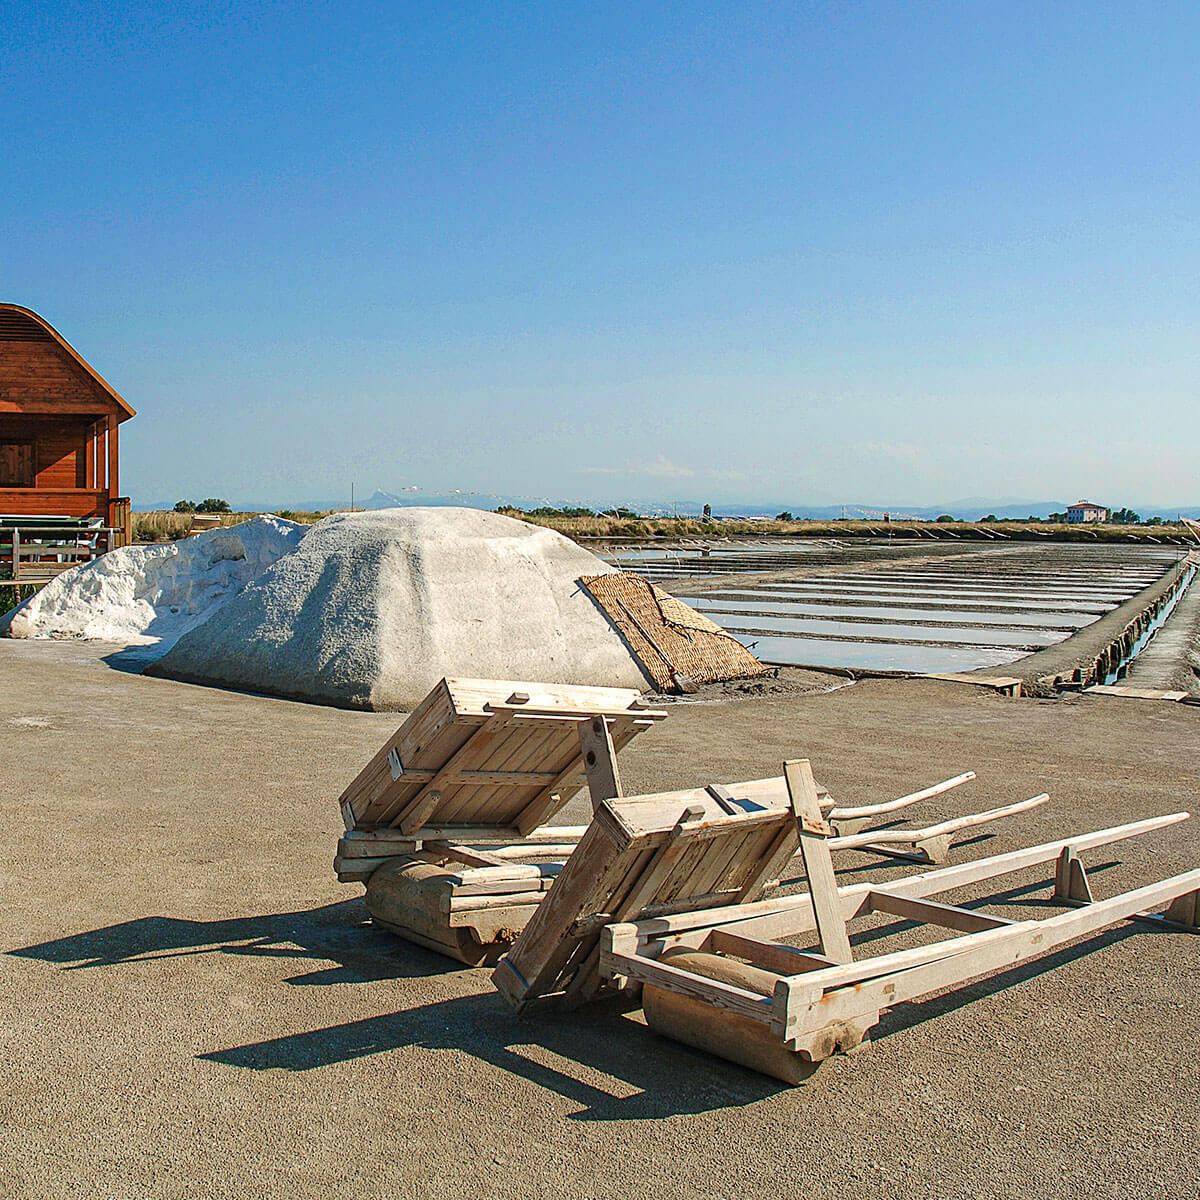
(818, 863)
(1185, 911)
(114, 486)
(599, 761)
(89, 458)
(1070, 880)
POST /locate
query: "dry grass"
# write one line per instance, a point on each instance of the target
(169, 526)
(652, 528)
(164, 526)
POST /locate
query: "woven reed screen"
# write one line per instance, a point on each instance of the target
(667, 636)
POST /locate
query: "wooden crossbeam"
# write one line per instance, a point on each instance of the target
(933, 835)
(471, 776)
(839, 994)
(966, 920)
(785, 915)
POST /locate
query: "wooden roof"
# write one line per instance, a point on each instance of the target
(19, 324)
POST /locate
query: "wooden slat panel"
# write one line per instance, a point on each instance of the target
(640, 854)
(543, 742)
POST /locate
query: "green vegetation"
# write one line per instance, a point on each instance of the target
(631, 527)
(11, 594)
(211, 505)
(164, 526)
(1124, 516)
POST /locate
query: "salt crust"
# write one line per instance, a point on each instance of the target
(373, 608)
(152, 595)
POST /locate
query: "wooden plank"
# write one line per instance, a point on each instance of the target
(421, 806)
(720, 995)
(1009, 685)
(770, 866)
(627, 865)
(818, 865)
(532, 963)
(1135, 693)
(771, 956)
(891, 837)
(842, 993)
(348, 849)
(599, 761)
(458, 903)
(840, 813)
(497, 778)
(464, 854)
(477, 778)
(651, 880)
(546, 802)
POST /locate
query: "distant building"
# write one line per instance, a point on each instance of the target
(1085, 512)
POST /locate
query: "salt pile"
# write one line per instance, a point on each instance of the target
(151, 595)
(373, 608)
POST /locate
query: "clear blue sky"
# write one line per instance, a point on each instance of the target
(813, 252)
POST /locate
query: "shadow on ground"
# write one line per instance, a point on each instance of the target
(601, 1057)
(337, 933)
(133, 660)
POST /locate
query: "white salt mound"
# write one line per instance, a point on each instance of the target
(151, 595)
(373, 608)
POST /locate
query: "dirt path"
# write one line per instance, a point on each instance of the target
(194, 1007)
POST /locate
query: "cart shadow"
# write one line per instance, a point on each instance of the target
(337, 933)
(612, 1065)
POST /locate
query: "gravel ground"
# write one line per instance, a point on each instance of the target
(193, 1006)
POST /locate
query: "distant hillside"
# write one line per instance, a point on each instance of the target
(971, 509)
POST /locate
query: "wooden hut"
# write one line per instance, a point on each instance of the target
(59, 456)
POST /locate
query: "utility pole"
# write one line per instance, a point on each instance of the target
(352, 496)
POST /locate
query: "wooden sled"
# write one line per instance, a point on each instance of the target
(440, 820)
(719, 980)
(444, 825)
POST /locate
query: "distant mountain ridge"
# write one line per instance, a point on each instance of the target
(970, 509)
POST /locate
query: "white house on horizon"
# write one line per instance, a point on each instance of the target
(1084, 512)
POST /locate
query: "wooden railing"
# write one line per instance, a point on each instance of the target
(36, 553)
(92, 503)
